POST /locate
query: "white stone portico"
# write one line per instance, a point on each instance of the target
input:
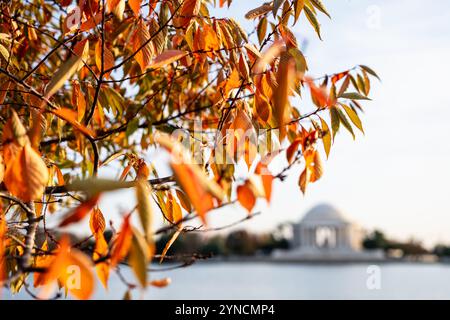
(325, 233)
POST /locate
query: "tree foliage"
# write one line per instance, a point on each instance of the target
(105, 81)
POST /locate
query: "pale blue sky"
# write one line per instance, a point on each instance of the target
(396, 176)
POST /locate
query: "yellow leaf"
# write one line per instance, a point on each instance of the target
(326, 137)
(144, 208)
(139, 257)
(353, 117)
(169, 244)
(64, 72)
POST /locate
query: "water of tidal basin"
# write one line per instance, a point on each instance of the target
(291, 281)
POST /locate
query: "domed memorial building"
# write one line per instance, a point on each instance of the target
(324, 233)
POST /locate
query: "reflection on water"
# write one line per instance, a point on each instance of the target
(291, 281)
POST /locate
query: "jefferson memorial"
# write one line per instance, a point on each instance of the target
(325, 234)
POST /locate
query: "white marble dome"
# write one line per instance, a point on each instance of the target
(324, 213)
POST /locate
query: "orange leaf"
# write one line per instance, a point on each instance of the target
(26, 174)
(97, 222)
(123, 242)
(81, 211)
(59, 175)
(269, 56)
(135, 5)
(72, 268)
(108, 58)
(142, 36)
(200, 198)
(292, 149)
(285, 79)
(188, 9)
(160, 283)
(267, 179)
(3, 229)
(246, 196)
(167, 57)
(71, 117)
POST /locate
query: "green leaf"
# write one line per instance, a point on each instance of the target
(345, 122)
(335, 122)
(262, 29)
(313, 20)
(353, 96)
(370, 71)
(132, 126)
(353, 117)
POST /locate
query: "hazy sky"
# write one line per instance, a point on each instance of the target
(396, 176)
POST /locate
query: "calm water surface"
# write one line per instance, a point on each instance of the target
(291, 281)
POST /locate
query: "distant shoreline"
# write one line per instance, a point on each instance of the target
(270, 260)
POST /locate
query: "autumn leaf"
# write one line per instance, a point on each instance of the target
(257, 12)
(139, 258)
(285, 79)
(246, 196)
(66, 70)
(3, 230)
(160, 283)
(313, 169)
(326, 137)
(107, 59)
(97, 225)
(135, 5)
(72, 269)
(142, 45)
(169, 244)
(167, 57)
(81, 211)
(122, 243)
(269, 56)
(353, 117)
(26, 174)
(189, 8)
(71, 117)
(199, 189)
(144, 208)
